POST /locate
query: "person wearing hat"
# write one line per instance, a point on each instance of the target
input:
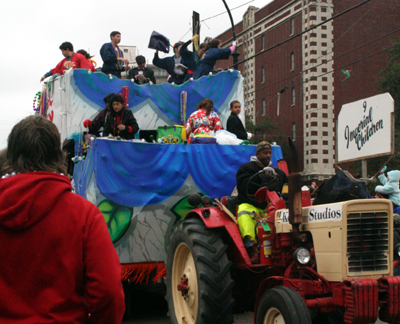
(250, 177)
(174, 65)
(99, 121)
(120, 121)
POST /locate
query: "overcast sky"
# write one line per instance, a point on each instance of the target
(32, 31)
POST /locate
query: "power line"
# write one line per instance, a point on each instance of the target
(318, 65)
(333, 70)
(348, 29)
(222, 13)
(303, 32)
(294, 79)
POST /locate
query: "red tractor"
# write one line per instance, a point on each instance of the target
(318, 264)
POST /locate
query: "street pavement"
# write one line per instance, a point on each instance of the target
(151, 308)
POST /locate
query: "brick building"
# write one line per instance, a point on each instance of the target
(299, 83)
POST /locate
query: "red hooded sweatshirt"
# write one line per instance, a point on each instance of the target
(58, 264)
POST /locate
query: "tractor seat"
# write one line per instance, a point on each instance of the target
(230, 202)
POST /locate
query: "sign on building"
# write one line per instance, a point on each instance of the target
(365, 129)
(129, 53)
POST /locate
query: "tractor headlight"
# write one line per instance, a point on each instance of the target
(302, 256)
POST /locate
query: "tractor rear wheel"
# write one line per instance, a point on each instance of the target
(199, 284)
(282, 305)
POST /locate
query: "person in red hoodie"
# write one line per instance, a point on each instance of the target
(71, 60)
(58, 261)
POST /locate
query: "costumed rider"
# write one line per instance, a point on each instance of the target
(234, 123)
(213, 53)
(71, 60)
(113, 58)
(99, 121)
(120, 121)
(247, 184)
(174, 65)
(141, 74)
(192, 58)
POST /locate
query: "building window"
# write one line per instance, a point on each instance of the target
(263, 107)
(292, 61)
(264, 136)
(293, 97)
(262, 42)
(291, 26)
(294, 131)
(262, 75)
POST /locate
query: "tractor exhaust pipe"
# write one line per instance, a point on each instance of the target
(295, 203)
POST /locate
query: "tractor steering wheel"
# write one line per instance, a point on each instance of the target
(271, 180)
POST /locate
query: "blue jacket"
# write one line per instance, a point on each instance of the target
(190, 59)
(206, 64)
(110, 65)
(391, 187)
(168, 64)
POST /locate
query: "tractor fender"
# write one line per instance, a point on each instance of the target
(214, 217)
(267, 284)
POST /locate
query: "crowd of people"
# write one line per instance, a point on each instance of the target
(181, 66)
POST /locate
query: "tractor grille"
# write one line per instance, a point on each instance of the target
(367, 241)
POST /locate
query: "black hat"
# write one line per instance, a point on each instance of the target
(159, 42)
(177, 44)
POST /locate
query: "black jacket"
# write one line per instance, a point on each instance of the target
(127, 119)
(148, 74)
(98, 122)
(235, 126)
(168, 64)
(246, 171)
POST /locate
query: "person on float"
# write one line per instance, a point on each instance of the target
(234, 123)
(99, 121)
(92, 63)
(71, 61)
(120, 121)
(141, 74)
(204, 119)
(213, 53)
(174, 65)
(113, 58)
(192, 58)
(59, 263)
(250, 177)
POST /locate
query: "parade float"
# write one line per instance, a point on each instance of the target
(141, 187)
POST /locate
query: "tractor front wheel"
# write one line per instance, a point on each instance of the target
(199, 284)
(282, 305)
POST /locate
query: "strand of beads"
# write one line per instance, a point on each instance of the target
(36, 101)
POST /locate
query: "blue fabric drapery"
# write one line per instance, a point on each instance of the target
(95, 86)
(137, 174)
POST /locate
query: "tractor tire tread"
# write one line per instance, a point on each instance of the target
(215, 285)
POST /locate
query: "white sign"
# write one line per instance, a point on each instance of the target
(315, 214)
(323, 213)
(365, 128)
(283, 214)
